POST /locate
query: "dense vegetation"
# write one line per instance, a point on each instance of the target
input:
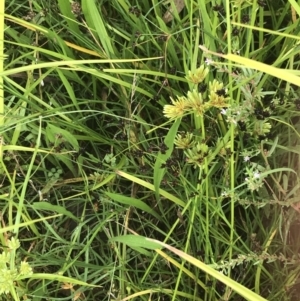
(149, 150)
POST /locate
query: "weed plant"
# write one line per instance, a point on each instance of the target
(149, 150)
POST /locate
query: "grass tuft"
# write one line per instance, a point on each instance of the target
(149, 150)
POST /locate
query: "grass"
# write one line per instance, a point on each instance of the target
(148, 155)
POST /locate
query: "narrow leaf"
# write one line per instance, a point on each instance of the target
(55, 208)
(150, 186)
(240, 289)
(132, 202)
(136, 241)
(162, 158)
(53, 131)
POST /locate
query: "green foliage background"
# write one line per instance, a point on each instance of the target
(89, 159)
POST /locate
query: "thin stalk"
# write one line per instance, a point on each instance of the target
(230, 85)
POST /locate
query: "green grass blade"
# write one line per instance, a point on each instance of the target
(162, 158)
(95, 21)
(132, 202)
(242, 290)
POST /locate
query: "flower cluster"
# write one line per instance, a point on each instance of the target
(254, 179)
(198, 76)
(194, 151)
(218, 95)
(257, 126)
(197, 154)
(249, 117)
(194, 102)
(177, 109)
(8, 276)
(184, 141)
